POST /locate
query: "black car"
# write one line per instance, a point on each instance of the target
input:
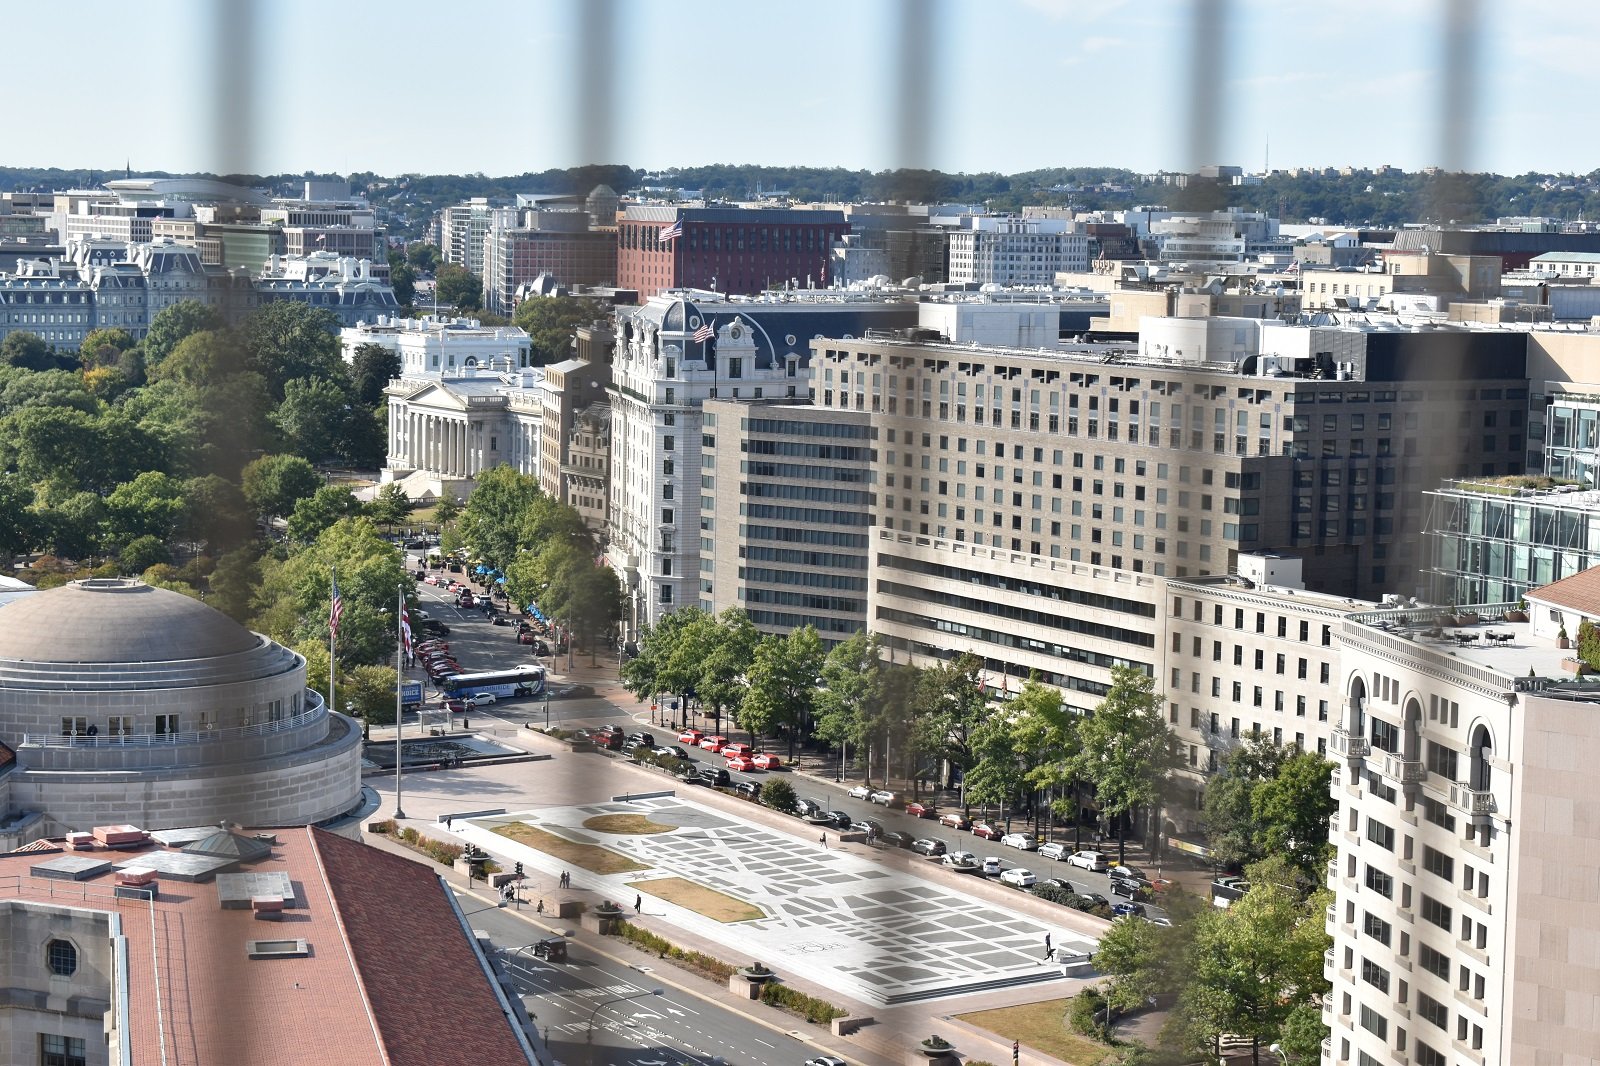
(1129, 889)
(751, 789)
(714, 775)
(644, 738)
(894, 839)
(841, 819)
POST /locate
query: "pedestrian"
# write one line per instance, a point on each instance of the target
(638, 903)
(540, 908)
(1049, 952)
(824, 841)
(449, 820)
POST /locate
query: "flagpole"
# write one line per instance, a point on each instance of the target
(399, 667)
(333, 632)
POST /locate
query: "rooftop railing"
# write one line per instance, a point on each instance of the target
(168, 740)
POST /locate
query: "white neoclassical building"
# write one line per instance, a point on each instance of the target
(447, 347)
(444, 432)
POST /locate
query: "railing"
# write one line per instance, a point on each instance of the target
(1471, 800)
(1405, 771)
(167, 740)
(1347, 745)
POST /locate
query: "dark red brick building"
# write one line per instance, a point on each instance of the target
(742, 251)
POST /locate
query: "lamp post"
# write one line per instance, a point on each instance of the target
(588, 1038)
(1278, 1050)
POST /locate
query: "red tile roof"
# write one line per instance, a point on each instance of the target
(1580, 592)
(432, 1001)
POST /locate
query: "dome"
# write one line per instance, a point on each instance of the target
(679, 317)
(116, 621)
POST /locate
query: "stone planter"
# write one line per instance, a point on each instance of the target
(1516, 616)
(934, 1052)
(603, 919)
(1576, 666)
(746, 982)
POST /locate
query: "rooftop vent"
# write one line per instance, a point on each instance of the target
(277, 949)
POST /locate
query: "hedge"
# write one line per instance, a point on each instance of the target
(812, 1009)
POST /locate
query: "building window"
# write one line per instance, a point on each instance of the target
(62, 958)
(1374, 1023)
(61, 1050)
(166, 724)
(1375, 975)
(1436, 912)
(1435, 962)
(1433, 1011)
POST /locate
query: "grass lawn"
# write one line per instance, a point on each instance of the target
(626, 823)
(591, 857)
(1042, 1026)
(700, 899)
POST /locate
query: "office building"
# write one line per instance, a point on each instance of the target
(464, 227)
(786, 513)
(220, 945)
(1463, 912)
(586, 470)
(1001, 250)
(729, 250)
(569, 387)
(562, 245)
(446, 430)
(1493, 540)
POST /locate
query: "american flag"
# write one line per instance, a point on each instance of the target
(1294, 267)
(707, 331)
(405, 630)
(335, 611)
(671, 232)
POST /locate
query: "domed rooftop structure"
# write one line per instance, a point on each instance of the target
(117, 621)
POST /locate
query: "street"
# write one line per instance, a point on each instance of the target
(630, 1025)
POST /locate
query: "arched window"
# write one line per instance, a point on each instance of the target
(1356, 711)
(1481, 750)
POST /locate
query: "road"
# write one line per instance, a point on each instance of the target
(478, 645)
(649, 1030)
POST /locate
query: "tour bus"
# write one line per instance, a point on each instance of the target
(525, 680)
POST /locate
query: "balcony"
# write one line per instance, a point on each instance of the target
(1327, 1049)
(1327, 1005)
(1327, 964)
(1345, 745)
(1470, 801)
(1409, 772)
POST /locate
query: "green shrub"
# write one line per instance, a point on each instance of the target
(1054, 894)
(814, 1010)
(385, 827)
(1081, 1015)
(779, 795)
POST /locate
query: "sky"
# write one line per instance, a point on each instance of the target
(403, 86)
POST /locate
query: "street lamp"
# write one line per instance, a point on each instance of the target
(1277, 1049)
(589, 1027)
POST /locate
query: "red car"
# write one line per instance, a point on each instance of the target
(955, 820)
(716, 743)
(765, 761)
(986, 831)
(731, 749)
(690, 736)
(458, 706)
(741, 762)
(920, 810)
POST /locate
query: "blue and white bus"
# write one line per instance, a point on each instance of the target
(525, 680)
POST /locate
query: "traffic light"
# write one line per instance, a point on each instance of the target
(519, 871)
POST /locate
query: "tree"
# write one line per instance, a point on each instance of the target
(723, 647)
(446, 511)
(74, 527)
(458, 287)
(20, 527)
(783, 684)
(1228, 816)
(295, 592)
(273, 484)
(845, 704)
(202, 359)
(172, 324)
(1292, 812)
(102, 348)
(27, 350)
(1254, 964)
(141, 554)
(494, 514)
(371, 689)
(779, 795)
(312, 418)
(372, 367)
(287, 340)
(1047, 729)
(952, 703)
(216, 513)
(425, 257)
(552, 321)
(996, 775)
(390, 506)
(402, 279)
(1127, 748)
(151, 505)
(321, 510)
(595, 604)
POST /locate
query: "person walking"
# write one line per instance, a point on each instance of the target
(449, 820)
(638, 903)
(540, 909)
(824, 841)
(1049, 951)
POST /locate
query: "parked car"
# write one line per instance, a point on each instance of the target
(893, 839)
(672, 751)
(1094, 898)
(985, 830)
(991, 866)
(751, 789)
(714, 775)
(716, 743)
(920, 810)
(885, 797)
(840, 819)
(571, 692)
(1053, 850)
(455, 705)
(955, 820)
(1020, 841)
(825, 1060)
(1132, 873)
(767, 761)
(1128, 907)
(732, 748)
(1088, 860)
(480, 699)
(690, 736)
(861, 792)
(927, 846)
(742, 763)
(1017, 877)
(1126, 886)
(961, 860)
(645, 737)
(858, 826)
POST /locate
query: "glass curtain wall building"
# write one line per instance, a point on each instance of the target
(1492, 540)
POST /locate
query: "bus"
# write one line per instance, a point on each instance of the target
(524, 680)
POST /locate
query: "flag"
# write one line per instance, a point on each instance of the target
(671, 232)
(706, 332)
(335, 611)
(1294, 267)
(405, 630)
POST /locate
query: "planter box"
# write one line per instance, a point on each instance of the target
(1574, 666)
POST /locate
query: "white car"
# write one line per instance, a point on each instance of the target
(478, 699)
(883, 796)
(961, 860)
(1053, 850)
(1019, 877)
(1089, 860)
(860, 792)
(1020, 841)
(991, 866)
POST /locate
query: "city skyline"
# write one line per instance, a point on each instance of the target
(1360, 86)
